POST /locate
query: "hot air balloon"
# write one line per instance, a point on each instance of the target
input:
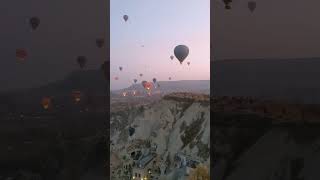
(76, 95)
(120, 68)
(34, 22)
(135, 80)
(141, 75)
(181, 52)
(147, 85)
(188, 63)
(82, 60)
(154, 80)
(171, 57)
(46, 102)
(169, 78)
(21, 54)
(126, 17)
(100, 42)
(252, 5)
(116, 78)
(105, 69)
(131, 131)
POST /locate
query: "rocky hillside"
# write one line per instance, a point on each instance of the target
(180, 122)
(256, 144)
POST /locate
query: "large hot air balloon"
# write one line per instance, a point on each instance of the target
(171, 57)
(34, 22)
(131, 131)
(76, 95)
(120, 68)
(21, 54)
(126, 17)
(135, 80)
(252, 5)
(100, 42)
(46, 102)
(181, 52)
(82, 60)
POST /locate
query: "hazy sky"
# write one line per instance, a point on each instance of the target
(159, 25)
(68, 29)
(276, 29)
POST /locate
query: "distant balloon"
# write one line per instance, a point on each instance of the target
(21, 54)
(126, 17)
(34, 22)
(171, 57)
(82, 60)
(135, 80)
(76, 95)
(131, 131)
(100, 42)
(188, 63)
(154, 80)
(46, 102)
(169, 78)
(105, 70)
(140, 75)
(116, 78)
(147, 85)
(120, 68)
(227, 4)
(181, 52)
(252, 5)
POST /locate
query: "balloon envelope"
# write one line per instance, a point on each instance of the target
(34, 22)
(125, 17)
(181, 52)
(82, 60)
(100, 42)
(21, 54)
(252, 5)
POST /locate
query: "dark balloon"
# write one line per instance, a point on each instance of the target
(82, 60)
(135, 80)
(126, 17)
(116, 78)
(140, 75)
(169, 78)
(105, 69)
(100, 42)
(171, 57)
(252, 5)
(154, 80)
(34, 22)
(181, 52)
(120, 68)
(188, 63)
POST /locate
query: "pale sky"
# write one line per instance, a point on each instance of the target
(159, 25)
